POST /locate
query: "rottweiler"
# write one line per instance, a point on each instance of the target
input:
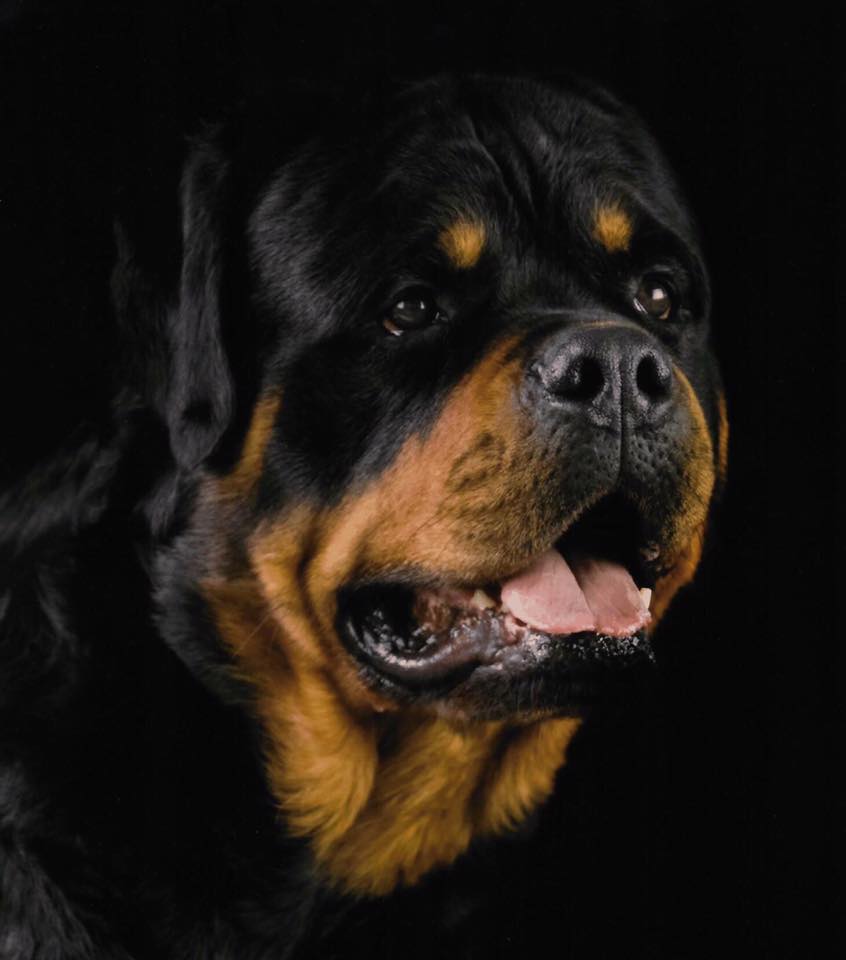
(416, 433)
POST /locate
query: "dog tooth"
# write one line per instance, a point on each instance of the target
(650, 551)
(481, 600)
(645, 596)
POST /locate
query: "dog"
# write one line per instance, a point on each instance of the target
(416, 433)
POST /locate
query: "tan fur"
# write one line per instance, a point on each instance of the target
(463, 242)
(241, 481)
(437, 787)
(384, 794)
(434, 510)
(384, 797)
(524, 773)
(722, 439)
(612, 227)
(681, 573)
(684, 541)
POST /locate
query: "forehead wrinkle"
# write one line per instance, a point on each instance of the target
(486, 139)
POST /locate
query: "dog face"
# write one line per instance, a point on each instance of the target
(486, 433)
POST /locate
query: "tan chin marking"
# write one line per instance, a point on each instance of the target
(439, 786)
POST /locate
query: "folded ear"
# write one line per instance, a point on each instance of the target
(167, 289)
(199, 398)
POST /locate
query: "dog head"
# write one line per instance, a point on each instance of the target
(482, 429)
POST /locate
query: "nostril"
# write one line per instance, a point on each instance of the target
(652, 378)
(582, 380)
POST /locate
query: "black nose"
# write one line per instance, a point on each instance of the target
(607, 371)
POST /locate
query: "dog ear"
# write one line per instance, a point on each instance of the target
(199, 395)
(167, 288)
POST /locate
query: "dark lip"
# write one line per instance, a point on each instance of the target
(375, 624)
(417, 669)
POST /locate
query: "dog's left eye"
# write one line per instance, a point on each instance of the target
(654, 298)
(412, 312)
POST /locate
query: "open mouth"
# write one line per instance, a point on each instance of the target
(584, 601)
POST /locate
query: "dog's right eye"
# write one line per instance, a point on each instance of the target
(413, 311)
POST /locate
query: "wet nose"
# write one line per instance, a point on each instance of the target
(607, 372)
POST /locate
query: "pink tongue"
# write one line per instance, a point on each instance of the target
(548, 597)
(593, 595)
(612, 595)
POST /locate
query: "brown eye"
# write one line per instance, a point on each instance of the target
(413, 312)
(654, 298)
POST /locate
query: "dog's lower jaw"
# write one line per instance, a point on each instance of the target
(383, 797)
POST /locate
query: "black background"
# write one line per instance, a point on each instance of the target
(701, 822)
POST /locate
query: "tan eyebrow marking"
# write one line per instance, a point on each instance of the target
(612, 227)
(463, 242)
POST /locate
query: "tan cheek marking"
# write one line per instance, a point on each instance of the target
(612, 227)
(222, 512)
(320, 757)
(407, 517)
(410, 514)
(463, 243)
(437, 509)
(697, 487)
(244, 477)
